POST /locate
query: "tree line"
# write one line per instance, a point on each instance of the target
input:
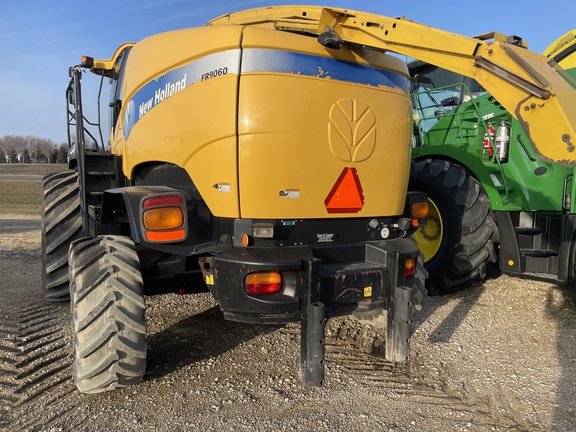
(31, 149)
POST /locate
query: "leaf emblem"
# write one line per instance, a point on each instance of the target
(352, 130)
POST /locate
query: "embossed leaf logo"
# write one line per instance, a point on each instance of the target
(352, 130)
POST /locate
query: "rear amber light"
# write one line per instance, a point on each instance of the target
(87, 62)
(163, 218)
(410, 267)
(247, 240)
(420, 210)
(263, 283)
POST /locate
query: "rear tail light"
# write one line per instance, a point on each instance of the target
(164, 218)
(409, 267)
(162, 200)
(263, 283)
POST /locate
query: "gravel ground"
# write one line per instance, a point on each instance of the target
(500, 355)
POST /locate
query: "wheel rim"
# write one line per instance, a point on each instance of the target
(429, 237)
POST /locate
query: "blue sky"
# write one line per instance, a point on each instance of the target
(40, 39)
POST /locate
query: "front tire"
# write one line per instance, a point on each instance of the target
(108, 314)
(458, 241)
(61, 225)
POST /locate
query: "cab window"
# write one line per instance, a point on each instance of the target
(116, 90)
(436, 92)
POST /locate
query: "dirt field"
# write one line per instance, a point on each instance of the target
(20, 204)
(30, 169)
(499, 356)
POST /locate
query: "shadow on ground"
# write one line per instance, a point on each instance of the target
(196, 338)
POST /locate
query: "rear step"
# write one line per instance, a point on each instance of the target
(528, 230)
(100, 176)
(101, 173)
(538, 253)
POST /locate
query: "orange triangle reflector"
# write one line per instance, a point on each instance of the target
(346, 195)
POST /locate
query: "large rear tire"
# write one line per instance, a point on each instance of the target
(458, 241)
(108, 314)
(61, 224)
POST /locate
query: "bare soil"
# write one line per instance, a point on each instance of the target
(30, 169)
(498, 356)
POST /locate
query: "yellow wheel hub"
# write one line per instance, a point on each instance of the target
(429, 237)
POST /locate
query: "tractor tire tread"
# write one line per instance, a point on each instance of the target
(61, 224)
(108, 314)
(474, 231)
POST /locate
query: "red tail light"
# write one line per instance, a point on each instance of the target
(263, 283)
(410, 267)
(162, 200)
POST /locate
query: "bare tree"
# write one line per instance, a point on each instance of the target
(13, 146)
(32, 147)
(40, 148)
(37, 149)
(45, 147)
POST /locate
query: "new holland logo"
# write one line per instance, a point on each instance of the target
(129, 118)
(352, 130)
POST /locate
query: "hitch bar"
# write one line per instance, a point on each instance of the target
(312, 326)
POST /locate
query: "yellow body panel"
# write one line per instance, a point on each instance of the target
(290, 152)
(249, 123)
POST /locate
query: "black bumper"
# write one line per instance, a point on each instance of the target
(360, 275)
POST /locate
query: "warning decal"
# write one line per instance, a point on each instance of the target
(346, 195)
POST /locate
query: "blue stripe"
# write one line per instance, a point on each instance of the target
(263, 60)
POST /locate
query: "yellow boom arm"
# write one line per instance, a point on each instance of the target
(521, 80)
